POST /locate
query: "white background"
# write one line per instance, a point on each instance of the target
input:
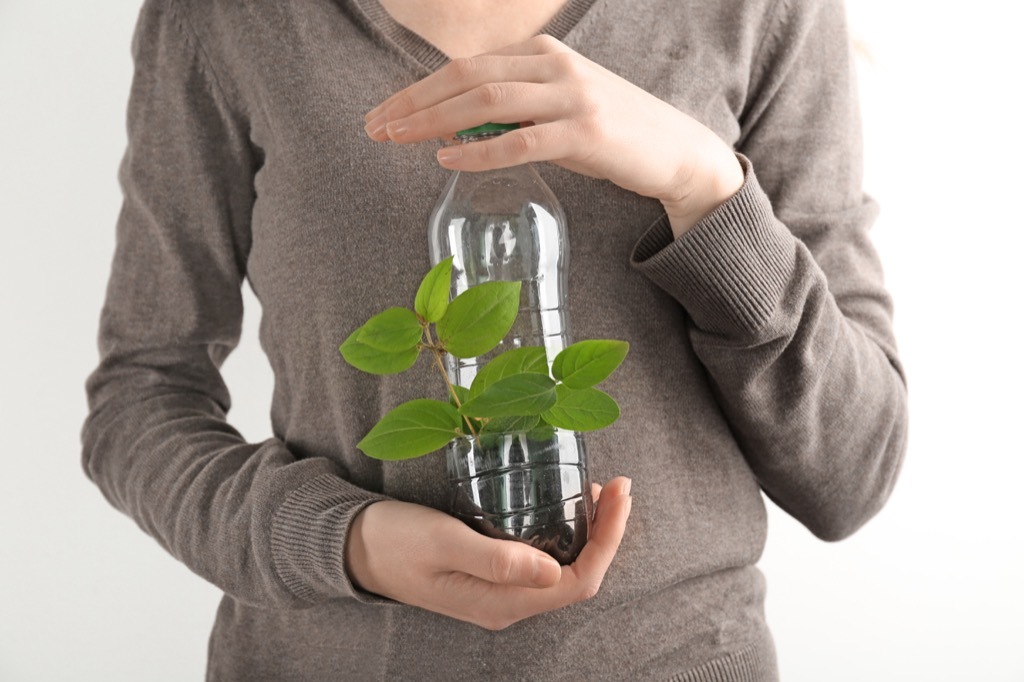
(931, 589)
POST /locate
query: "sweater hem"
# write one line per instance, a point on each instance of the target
(753, 663)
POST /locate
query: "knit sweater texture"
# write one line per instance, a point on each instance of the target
(762, 358)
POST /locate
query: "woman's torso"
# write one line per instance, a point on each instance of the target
(345, 218)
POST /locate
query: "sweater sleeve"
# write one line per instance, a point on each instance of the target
(267, 528)
(783, 289)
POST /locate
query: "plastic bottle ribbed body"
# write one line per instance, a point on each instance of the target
(507, 225)
(500, 226)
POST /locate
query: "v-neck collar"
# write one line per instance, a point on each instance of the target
(427, 54)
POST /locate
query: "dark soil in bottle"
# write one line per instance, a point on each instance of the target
(536, 492)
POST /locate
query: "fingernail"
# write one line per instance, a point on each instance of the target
(629, 486)
(372, 114)
(446, 154)
(396, 129)
(376, 126)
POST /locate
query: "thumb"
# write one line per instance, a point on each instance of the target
(503, 562)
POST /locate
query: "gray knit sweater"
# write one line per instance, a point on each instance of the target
(762, 353)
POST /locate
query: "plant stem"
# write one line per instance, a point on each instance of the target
(436, 352)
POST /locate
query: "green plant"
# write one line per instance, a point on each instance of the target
(513, 393)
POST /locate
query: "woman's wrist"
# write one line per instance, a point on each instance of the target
(712, 181)
(355, 552)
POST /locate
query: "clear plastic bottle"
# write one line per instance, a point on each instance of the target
(507, 225)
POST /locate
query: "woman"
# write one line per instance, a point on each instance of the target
(762, 355)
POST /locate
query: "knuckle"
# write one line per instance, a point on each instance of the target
(567, 63)
(589, 103)
(520, 144)
(491, 94)
(590, 590)
(502, 565)
(547, 43)
(432, 117)
(463, 68)
(401, 107)
(590, 128)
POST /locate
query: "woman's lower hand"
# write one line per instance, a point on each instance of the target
(425, 558)
(584, 118)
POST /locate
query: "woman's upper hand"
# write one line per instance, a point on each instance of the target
(584, 118)
(423, 557)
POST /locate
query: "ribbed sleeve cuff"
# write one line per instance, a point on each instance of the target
(730, 270)
(308, 538)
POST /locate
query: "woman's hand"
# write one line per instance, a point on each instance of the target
(423, 557)
(584, 118)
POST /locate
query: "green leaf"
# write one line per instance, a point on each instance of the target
(395, 329)
(510, 425)
(489, 441)
(432, 296)
(585, 409)
(516, 361)
(542, 431)
(375, 361)
(587, 363)
(412, 429)
(514, 396)
(479, 318)
(463, 394)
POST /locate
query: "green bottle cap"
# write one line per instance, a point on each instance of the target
(487, 128)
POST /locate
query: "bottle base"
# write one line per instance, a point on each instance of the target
(537, 492)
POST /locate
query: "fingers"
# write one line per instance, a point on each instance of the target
(540, 83)
(588, 571)
(502, 562)
(458, 77)
(495, 102)
(467, 72)
(609, 527)
(541, 142)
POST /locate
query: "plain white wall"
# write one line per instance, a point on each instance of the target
(929, 590)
